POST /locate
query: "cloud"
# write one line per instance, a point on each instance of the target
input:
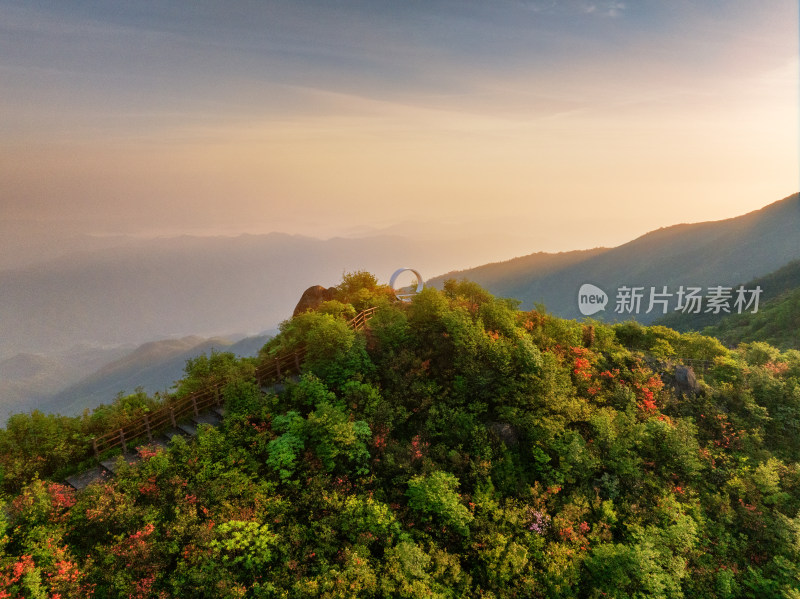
(607, 9)
(135, 108)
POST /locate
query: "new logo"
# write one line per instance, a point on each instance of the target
(591, 299)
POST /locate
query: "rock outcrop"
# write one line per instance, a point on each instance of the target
(685, 381)
(312, 298)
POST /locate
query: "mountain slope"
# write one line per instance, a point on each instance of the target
(27, 380)
(154, 367)
(776, 323)
(778, 289)
(703, 254)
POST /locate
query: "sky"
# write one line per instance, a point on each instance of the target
(554, 125)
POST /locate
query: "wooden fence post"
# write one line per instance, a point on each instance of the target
(194, 405)
(94, 447)
(147, 428)
(172, 416)
(122, 440)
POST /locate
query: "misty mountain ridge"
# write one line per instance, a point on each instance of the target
(196, 288)
(173, 287)
(726, 252)
(153, 367)
(144, 289)
(53, 384)
(27, 380)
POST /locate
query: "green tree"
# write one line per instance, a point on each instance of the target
(435, 496)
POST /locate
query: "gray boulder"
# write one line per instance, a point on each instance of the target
(685, 381)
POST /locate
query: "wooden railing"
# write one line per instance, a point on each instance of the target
(704, 365)
(161, 419)
(272, 369)
(361, 318)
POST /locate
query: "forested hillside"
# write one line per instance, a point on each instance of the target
(777, 321)
(455, 448)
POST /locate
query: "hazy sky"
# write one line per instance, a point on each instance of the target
(576, 123)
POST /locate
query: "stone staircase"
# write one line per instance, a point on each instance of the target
(107, 468)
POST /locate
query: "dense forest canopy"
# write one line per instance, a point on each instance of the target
(455, 447)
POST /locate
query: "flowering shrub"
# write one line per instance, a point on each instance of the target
(540, 523)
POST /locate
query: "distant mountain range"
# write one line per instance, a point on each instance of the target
(139, 290)
(55, 384)
(78, 302)
(27, 379)
(154, 367)
(65, 318)
(709, 254)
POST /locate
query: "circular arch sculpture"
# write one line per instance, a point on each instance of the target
(406, 297)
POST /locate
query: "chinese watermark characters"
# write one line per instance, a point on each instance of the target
(686, 299)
